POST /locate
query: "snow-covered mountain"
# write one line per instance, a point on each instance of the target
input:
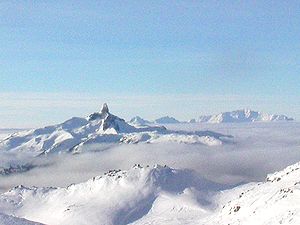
(159, 195)
(6, 132)
(162, 120)
(238, 116)
(166, 120)
(275, 201)
(100, 127)
(244, 115)
(139, 121)
(118, 197)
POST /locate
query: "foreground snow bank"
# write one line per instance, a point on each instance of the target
(117, 197)
(275, 201)
(158, 195)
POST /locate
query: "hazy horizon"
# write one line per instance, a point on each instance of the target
(64, 59)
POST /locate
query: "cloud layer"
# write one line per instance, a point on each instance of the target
(258, 149)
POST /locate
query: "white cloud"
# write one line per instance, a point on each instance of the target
(260, 149)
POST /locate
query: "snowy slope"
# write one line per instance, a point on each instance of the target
(159, 195)
(101, 127)
(166, 120)
(12, 220)
(239, 116)
(6, 132)
(117, 197)
(275, 201)
(139, 121)
(162, 120)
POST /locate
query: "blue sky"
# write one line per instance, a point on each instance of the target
(205, 56)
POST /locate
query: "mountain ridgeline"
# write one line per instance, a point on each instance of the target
(238, 116)
(100, 128)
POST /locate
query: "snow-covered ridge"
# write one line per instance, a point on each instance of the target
(99, 127)
(275, 201)
(244, 115)
(166, 120)
(238, 116)
(117, 197)
(159, 195)
(139, 121)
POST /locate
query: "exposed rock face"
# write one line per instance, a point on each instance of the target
(104, 109)
(103, 114)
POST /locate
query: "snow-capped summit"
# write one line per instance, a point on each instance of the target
(243, 115)
(139, 121)
(104, 113)
(99, 127)
(109, 122)
(166, 120)
(162, 120)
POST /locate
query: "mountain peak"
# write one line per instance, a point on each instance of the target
(243, 115)
(99, 127)
(104, 109)
(166, 119)
(137, 120)
(104, 112)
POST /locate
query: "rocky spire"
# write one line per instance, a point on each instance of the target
(103, 114)
(104, 109)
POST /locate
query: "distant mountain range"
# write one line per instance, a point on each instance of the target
(162, 120)
(139, 121)
(238, 116)
(100, 128)
(166, 120)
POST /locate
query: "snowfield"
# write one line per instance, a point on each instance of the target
(274, 201)
(158, 195)
(117, 197)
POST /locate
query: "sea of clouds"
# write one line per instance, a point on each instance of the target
(258, 149)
